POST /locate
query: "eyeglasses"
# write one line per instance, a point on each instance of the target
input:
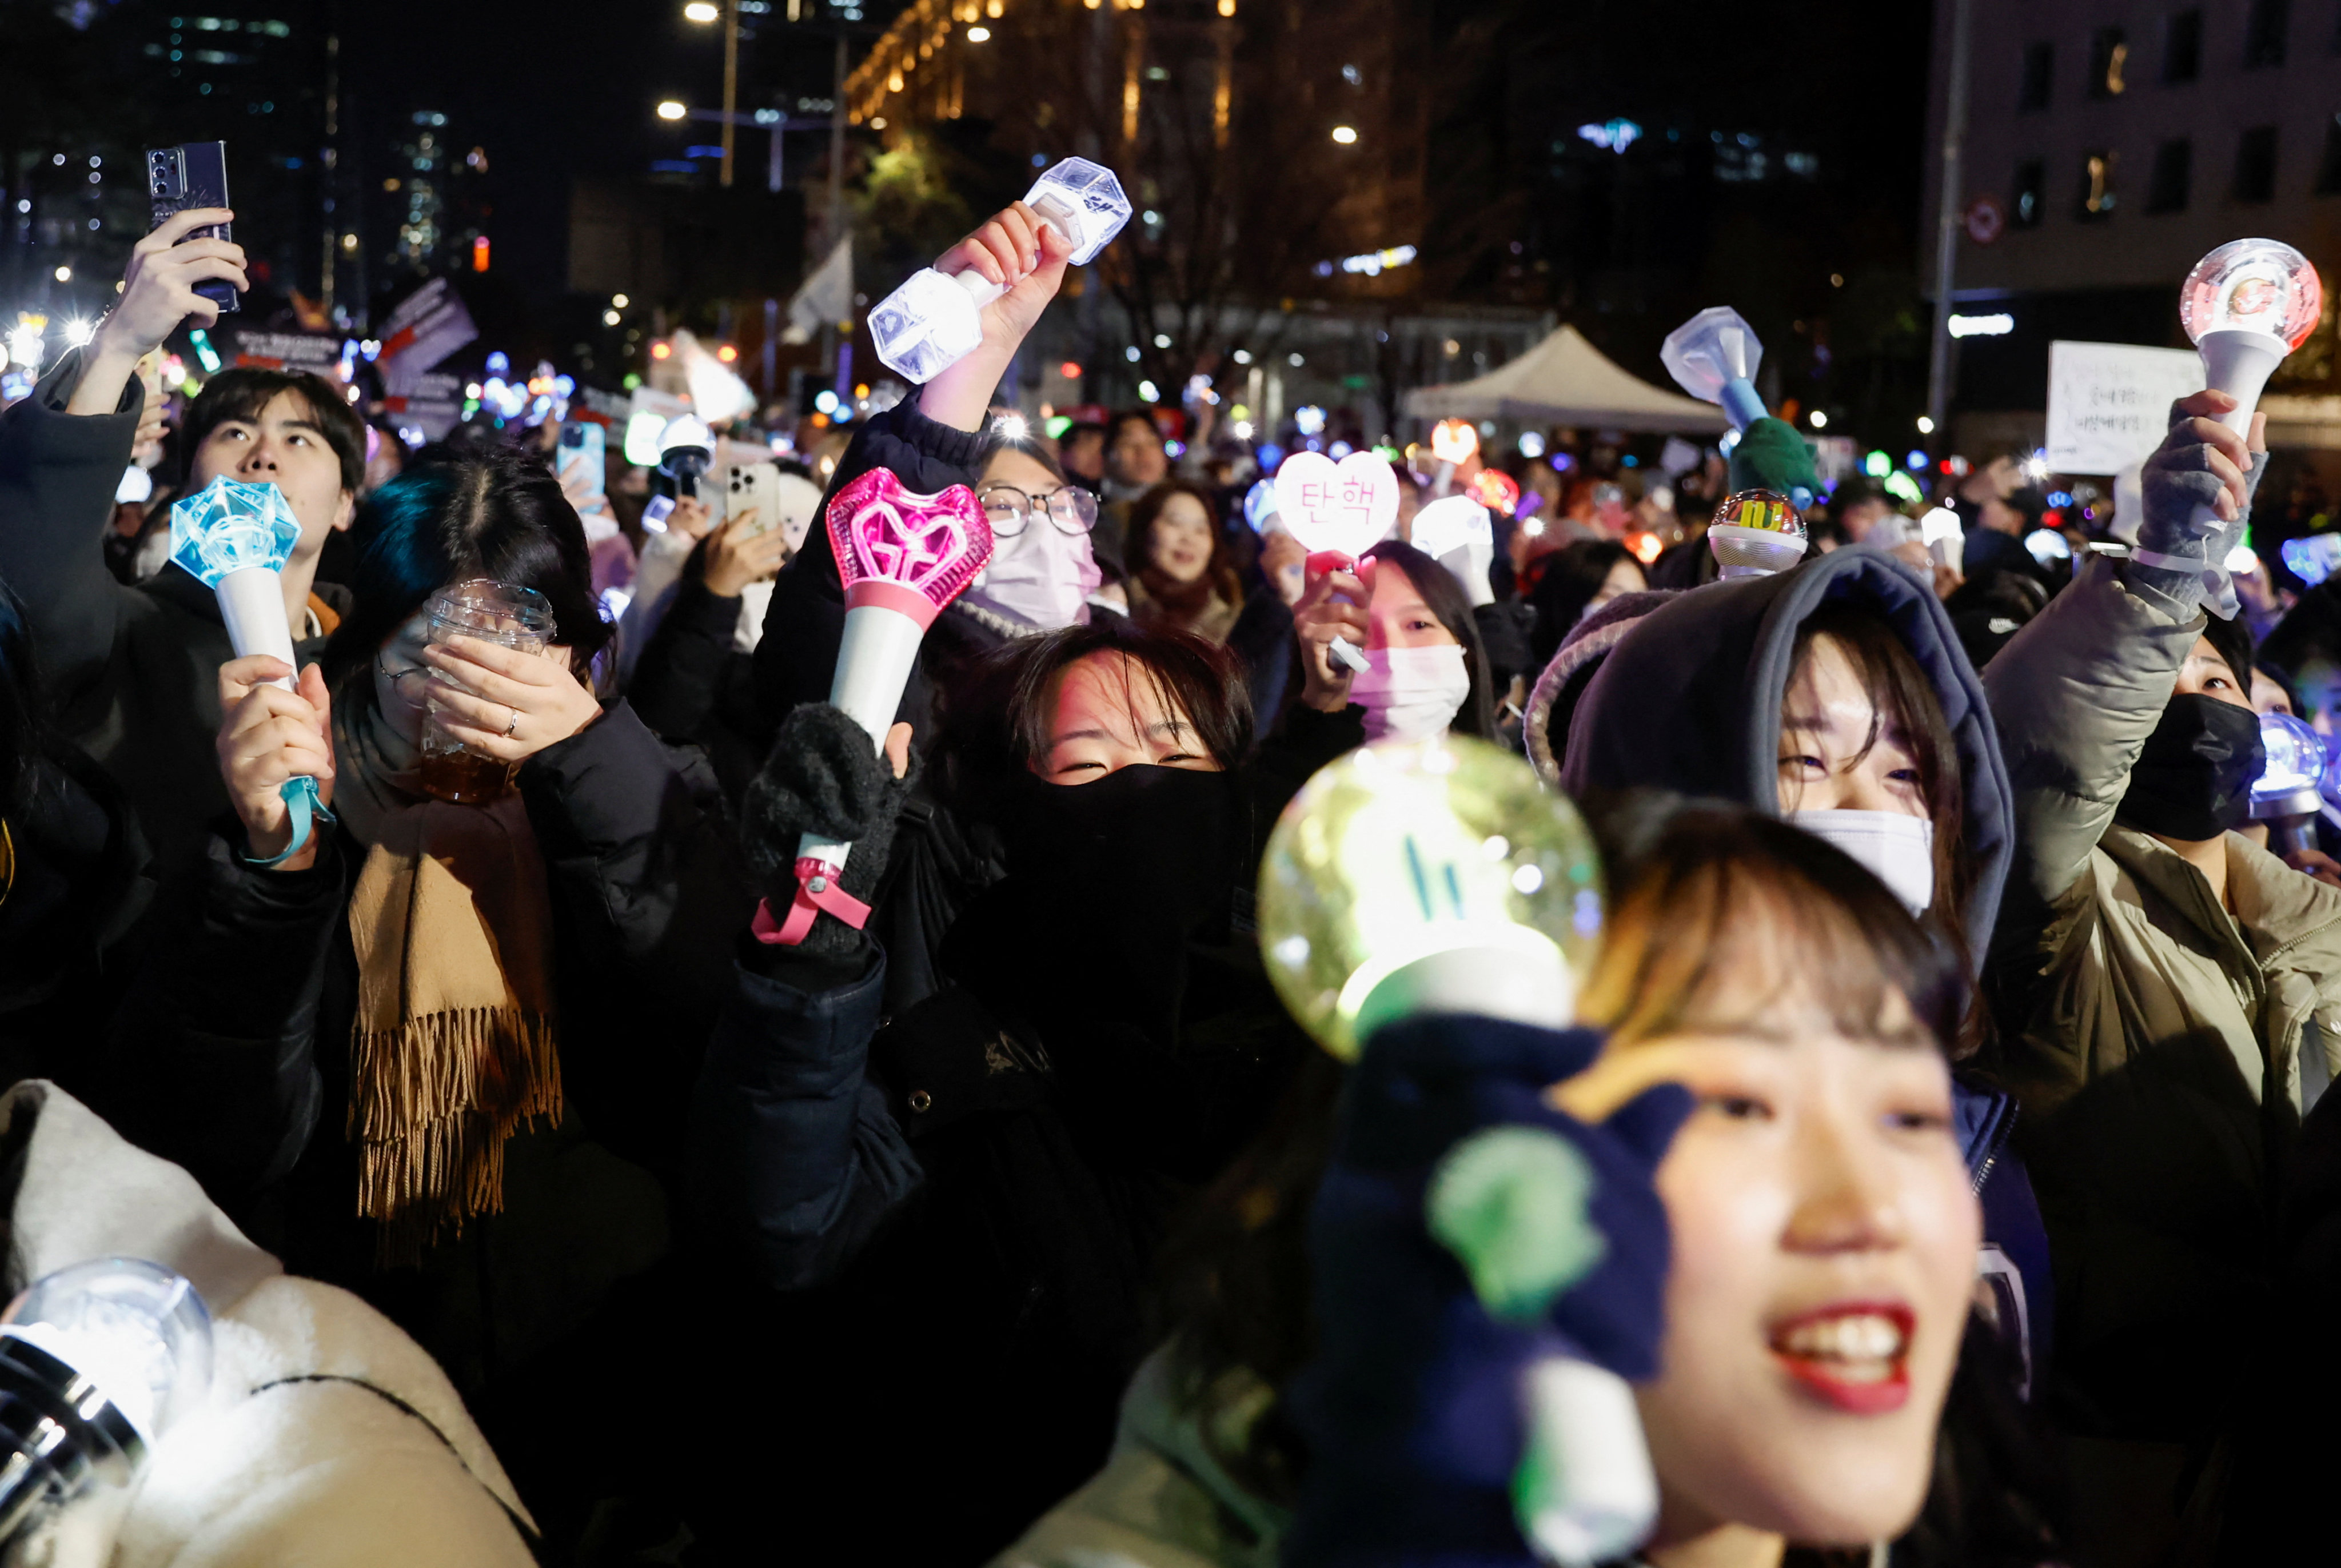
(1071, 509)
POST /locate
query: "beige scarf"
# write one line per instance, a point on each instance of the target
(454, 1048)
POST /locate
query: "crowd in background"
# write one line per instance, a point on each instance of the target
(984, 1226)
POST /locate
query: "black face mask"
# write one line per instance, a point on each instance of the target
(2194, 780)
(1107, 882)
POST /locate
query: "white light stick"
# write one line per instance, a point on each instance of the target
(1756, 533)
(2246, 305)
(903, 557)
(1455, 531)
(935, 320)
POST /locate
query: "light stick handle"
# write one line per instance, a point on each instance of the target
(982, 289)
(1342, 651)
(2238, 362)
(251, 603)
(1741, 402)
(1591, 1494)
(873, 666)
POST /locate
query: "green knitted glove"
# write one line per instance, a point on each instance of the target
(1772, 456)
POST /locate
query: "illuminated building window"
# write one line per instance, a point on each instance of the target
(2256, 165)
(2108, 63)
(2174, 169)
(2098, 194)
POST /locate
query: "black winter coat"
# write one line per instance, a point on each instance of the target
(947, 1217)
(133, 672)
(949, 1224)
(232, 1059)
(73, 886)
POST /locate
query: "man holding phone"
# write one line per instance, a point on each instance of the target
(132, 671)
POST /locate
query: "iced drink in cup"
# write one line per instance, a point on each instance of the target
(495, 612)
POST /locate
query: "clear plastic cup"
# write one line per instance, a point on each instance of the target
(498, 613)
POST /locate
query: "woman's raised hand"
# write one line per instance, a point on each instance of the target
(1029, 256)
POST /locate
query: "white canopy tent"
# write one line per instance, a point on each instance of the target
(1565, 380)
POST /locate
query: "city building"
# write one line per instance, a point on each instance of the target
(2109, 145)
(1275, 154)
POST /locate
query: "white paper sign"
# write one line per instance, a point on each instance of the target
(2109, 404)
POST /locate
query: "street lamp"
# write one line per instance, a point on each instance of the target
(671, 109)
(978, 34)
(702, 12)
(1345, 135)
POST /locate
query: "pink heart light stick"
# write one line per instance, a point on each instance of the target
(903, 557)
(1338, 513)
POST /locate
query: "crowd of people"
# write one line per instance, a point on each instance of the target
(1947, 1073)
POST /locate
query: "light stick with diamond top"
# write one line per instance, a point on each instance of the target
(934, 320)
(235, 539)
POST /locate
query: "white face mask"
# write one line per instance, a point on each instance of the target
(1896, 847)
(1411, 693)
(1042, 576)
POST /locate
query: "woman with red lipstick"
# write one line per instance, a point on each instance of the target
(1795, 1354)
(1824, 1225)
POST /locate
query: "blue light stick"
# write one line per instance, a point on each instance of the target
(235, 539)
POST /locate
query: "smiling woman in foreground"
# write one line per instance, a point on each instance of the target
(1784, 1279)
(1825, 1231)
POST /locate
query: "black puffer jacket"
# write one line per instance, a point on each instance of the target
(73, 886)
(946, 1219)
(232, 1059)
(131, 672)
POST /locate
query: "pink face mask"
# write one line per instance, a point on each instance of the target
(1041, 576)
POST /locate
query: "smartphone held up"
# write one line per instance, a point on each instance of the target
(192, 174)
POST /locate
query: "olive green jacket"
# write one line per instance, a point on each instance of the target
(1165, 1499)
(2152, 1036)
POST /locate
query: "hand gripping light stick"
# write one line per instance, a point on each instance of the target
(2246, 305)
(934, 320)
(1338, 511)
(235, 539)
(1439, 878)
(903, 557)
(1714, 356)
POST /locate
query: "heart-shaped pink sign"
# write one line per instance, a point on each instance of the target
(1344, 508)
